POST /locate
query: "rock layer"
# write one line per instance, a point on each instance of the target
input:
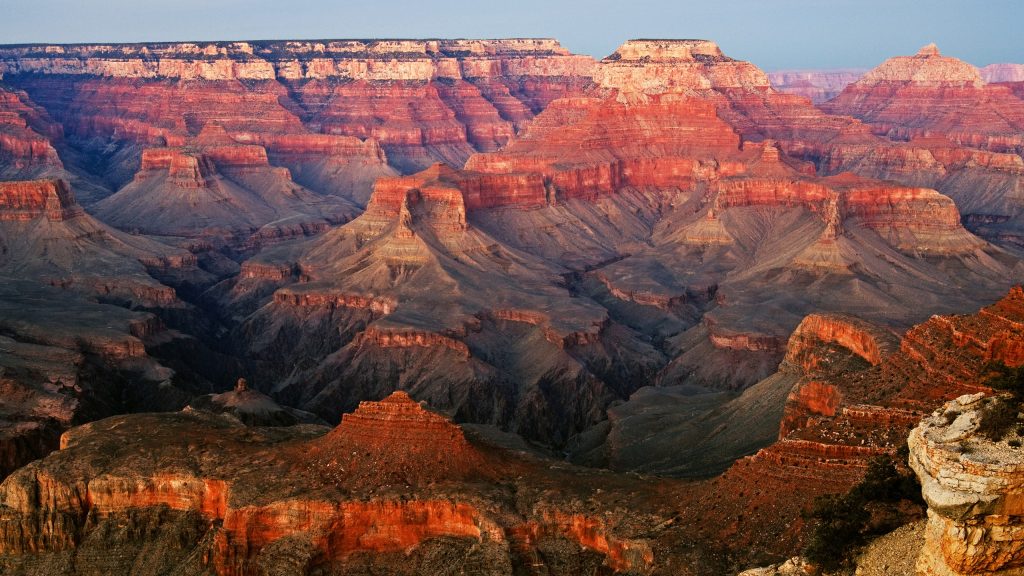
(932, 95)
(254, 500)
(419, 101)
(973, 487)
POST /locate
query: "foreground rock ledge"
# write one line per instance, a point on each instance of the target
(975, 494)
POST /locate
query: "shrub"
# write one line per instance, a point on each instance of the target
(844, 521)
(1003, 377)
(997, 419)
(1001, 416)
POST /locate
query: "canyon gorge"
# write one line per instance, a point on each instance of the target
(399, 306)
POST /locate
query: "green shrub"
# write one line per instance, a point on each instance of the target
(844, 523)
(1000, 417)
(997, 419)
(1003, 377)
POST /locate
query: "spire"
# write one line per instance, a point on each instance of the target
(929, 50)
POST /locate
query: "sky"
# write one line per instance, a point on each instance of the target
(774, 34)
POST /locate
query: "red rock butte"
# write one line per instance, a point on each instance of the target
(28, 200)
(395, 440)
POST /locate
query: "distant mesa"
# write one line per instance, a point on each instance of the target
(251, 407)
(666, 51)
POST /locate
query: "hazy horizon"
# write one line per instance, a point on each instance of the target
(784, 34)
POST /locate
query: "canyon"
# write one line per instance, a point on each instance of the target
(395, 483)
(390, 299)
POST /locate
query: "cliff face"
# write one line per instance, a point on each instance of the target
(299, 60)
(973, 488)
(219, 190)
(297, 491)
(417, 101)
(25, 137)
(21, 201)
(858, 393)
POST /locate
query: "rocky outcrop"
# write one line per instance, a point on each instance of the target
(397, 440)
(973, 488)
(24, 201)
(262, 494)
(251, 407)
(856, 395)
(642, 67)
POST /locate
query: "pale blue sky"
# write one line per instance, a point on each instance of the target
(771, 33)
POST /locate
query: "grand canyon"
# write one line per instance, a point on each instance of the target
(493, 307)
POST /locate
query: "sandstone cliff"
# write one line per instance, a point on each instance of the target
(417, 101)
(298, 493)
(973, 488)
(857, 395)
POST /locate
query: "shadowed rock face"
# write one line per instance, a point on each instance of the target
(76, 313)
(219, 190)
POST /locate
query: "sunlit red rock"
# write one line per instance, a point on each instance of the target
(421, 101)
(858, 396)
(26, 135)
(299, 483)
(933, 95)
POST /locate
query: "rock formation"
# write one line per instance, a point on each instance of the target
(327, 110)
(973, 488)
(396, 440)
(219, 190)
(412, 283)
(817, 85)
(1004, 72)
(299, 493)
(251, 407)
(25, 133)
(854, 393)
(933, 95)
